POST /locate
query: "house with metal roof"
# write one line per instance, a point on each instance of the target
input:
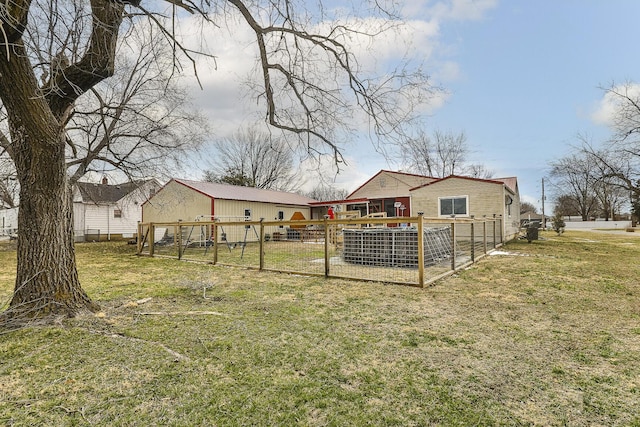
(464, 197)
(387, 191)
(400, 194)
(109, 211)
(185, 200)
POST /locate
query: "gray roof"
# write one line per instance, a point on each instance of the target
(105, 193)
(247, 194)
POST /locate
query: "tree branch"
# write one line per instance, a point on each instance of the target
(97, 64)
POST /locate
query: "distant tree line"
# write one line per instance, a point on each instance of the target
(597, 181)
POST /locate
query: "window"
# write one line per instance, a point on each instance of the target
(453, 206)
(247, 214)
(280, 215)
(117, 213)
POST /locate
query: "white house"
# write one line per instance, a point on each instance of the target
(107, 212)
(8, 222)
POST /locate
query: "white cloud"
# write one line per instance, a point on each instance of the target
(470, 10)
(607, 108)
(455, 10)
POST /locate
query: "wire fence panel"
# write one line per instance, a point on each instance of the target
(388, 254)
(238, 243)
(412, 252)
(166, 241)
(463, 235)
(296, 256)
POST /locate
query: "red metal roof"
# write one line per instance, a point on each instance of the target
(248, 194)
(396, 174)
(511, 183)
(339, 202)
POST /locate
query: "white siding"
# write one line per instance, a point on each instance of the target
(91, 216)
(78, 220)
(8, 221)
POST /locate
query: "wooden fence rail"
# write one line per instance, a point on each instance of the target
(392, 249)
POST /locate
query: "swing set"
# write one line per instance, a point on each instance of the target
(206, 239)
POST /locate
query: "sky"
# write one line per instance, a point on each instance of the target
(521, 78)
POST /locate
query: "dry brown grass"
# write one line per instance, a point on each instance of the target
(547, 333)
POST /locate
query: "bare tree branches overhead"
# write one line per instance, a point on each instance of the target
(313, 85)
(141, 121)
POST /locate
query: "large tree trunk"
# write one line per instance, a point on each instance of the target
(46, 280)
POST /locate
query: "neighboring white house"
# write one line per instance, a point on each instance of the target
(8, 222)
(106, 212)
(100, 211)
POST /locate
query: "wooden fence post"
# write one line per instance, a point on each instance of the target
(152, 238)
(326, 246)
(420, 236)
(179, 239)
(473, 239)
(215, 241)
(484, 233)
(261, 244)
(495, 244)
(453, 244)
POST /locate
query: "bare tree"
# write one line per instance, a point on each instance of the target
(526, 207)
(140, 122)
(254, 158)
(610, 194)
(573, 178)
(441, 155)
(326, 192)
(618, 161)
(310, 86)
(565, 205)
(477, 170)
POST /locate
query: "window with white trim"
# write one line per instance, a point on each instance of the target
(458, 206)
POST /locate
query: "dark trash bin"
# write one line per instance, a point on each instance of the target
(532, 234)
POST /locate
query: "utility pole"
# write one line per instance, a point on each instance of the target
(544, 219)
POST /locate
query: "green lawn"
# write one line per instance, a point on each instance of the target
(546, 333)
